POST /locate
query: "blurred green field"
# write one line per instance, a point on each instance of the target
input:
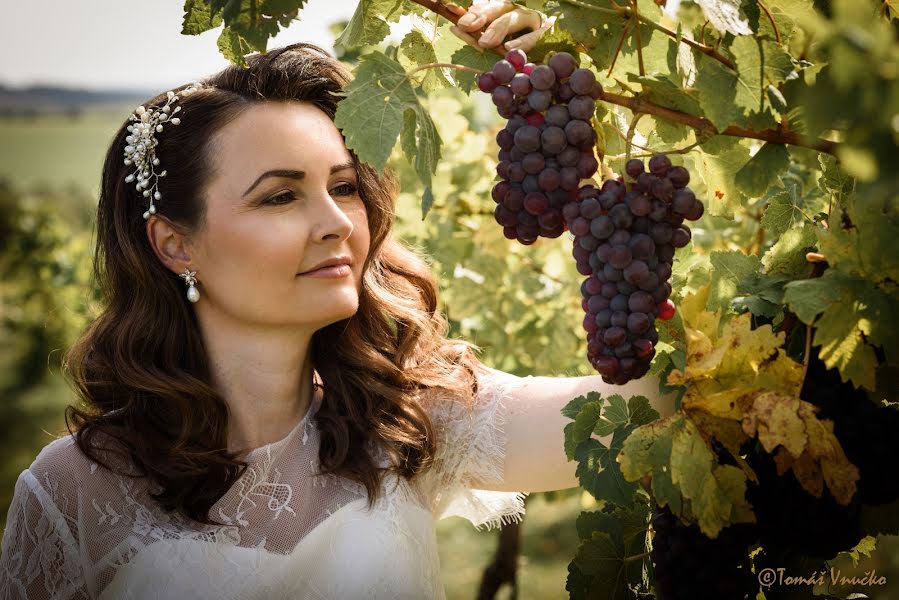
(58, 150)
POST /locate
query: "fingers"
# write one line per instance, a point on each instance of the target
(509, 23)
(527, 41)
(480, 15)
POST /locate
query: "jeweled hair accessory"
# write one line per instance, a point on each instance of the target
(142, 142)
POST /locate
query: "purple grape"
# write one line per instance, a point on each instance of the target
(641, 301)
(533, 163)
(535, 203)
(638, 322)
(638, 204)
(590, 209)
(621, 237)
(505, 139)
(695, 212)
(514, 200)
(549, 180)
(565, 93)
(620, 257)
(662, 188)
(550, 219)
(619, 318)
(621, 216)
(618, 302)
(659, 165)
(581, 107)
(503, 71)
(517, 58)
(516, 172)
(588, 242)
(636, 272)
(540, 100)
(542, 77)
(661, 233)
(603, 252)
(642, 246)
(601, 227)
(562, 64)
(487, 82)
(683, 200)
(528, 138)
(571, 211)
(500, 190)
(502, 169)
(553, 139)
(579, 133)
(634, 168)
(679, 176)
(586, 164)
(614, 336)
(502, 96)
(558, 115)
(680, 237)
(582, 81)
(610, 272)
(520, 85)
(570, 178)
(604, 318)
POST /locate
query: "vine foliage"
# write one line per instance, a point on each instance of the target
(787, 114)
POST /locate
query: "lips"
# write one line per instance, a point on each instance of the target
(331, 262)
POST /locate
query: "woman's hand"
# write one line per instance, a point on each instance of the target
(501, 18)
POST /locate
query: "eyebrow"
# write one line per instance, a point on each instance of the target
(292, 174)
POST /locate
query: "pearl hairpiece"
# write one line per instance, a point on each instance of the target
(142, 142)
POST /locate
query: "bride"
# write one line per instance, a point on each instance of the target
(270, 405)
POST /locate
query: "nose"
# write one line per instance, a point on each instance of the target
(333, 222)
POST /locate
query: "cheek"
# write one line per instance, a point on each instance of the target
(256, 246)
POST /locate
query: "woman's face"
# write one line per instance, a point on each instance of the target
(283, 197)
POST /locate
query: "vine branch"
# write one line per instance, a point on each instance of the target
(638, 105)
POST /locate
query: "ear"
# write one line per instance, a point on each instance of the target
(170, 244)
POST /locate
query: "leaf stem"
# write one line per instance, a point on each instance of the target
(637, 34)
(447, 65)
(770, 18)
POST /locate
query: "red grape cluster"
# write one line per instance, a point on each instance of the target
(625, 236)
(546, 147)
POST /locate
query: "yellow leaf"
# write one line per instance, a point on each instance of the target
(790, 429)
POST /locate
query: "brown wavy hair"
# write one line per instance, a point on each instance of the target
(141, 369)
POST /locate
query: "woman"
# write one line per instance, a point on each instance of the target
(253, 425)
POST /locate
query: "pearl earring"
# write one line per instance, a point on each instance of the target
(193, 294)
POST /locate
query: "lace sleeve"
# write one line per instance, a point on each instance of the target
(471, 448)
(40, 557)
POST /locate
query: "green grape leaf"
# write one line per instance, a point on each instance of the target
(834, 181)
(715, 162)
(787, 255)
(602, 561)
(600, 474)
(378, 106)
(619, 413)
(416, 51)
(198, 17)
(786, 208)
(733, 274)
(233, 46)
(482, 60)
(369, 23)
(757, 175)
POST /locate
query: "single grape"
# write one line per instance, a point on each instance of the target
(562, 64)
(680, 237)
(638, 323)
(565, 93)
(621, 216)
(636, 272)
(558, 115)
(679, 176)
(535, 203)
(581, 107)
(638, 204)
(666, 310)
(502, 96)
(620, 257)
(662, 188)
(540, 100)
(535, 119)
(659, 165)
(582, 81)
(542, 77)
(602, 227)
(590, 209)
(682, 201)
(641, 301)
(528, 138)
(634, 168)
(517, 58)
(533, 163)
(549, 179)
(553, 139)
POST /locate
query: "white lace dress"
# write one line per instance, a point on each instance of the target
(75, 530)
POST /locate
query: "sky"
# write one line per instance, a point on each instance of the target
(124, 44)
(134, 44)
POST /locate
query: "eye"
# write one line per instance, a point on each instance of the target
(348, 189)
(282, 198)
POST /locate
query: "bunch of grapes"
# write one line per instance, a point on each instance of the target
(625, 236)
(688, 565)
(546, 147)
